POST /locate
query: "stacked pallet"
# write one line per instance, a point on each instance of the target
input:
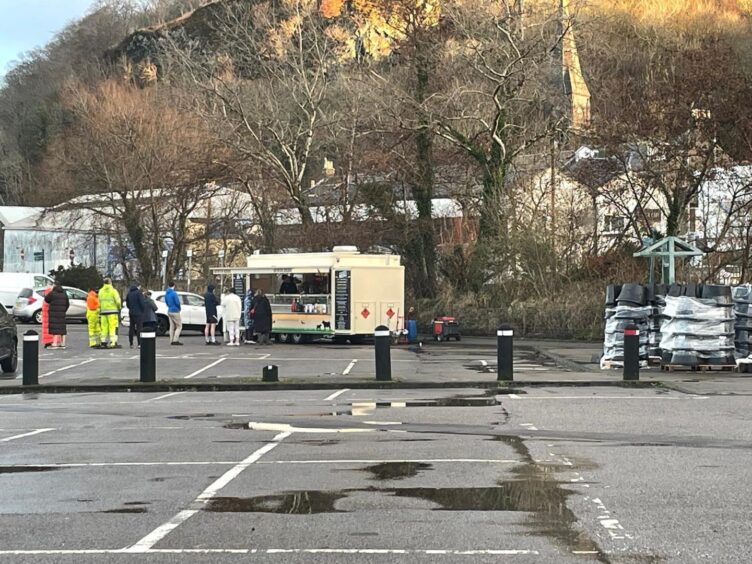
(698, 332)
(625, 305)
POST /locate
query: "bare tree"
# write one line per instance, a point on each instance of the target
(133, 159)
(268, 85)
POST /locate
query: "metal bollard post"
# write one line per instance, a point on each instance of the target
(270, 373)
(631, 352)
(30, 358)
(149, 357)
(505, 353)
(382, 338)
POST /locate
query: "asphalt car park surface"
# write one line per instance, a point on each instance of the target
(325, 361)
(547, 475)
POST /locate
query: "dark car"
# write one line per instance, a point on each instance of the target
(8, 342)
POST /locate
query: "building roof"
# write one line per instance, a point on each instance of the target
(23, 216)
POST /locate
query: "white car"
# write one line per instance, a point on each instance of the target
(29, 304)
(193, 313)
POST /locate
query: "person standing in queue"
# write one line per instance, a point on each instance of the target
(92, 319)
(58, 303)
(212, 317)
(109, 314)
(172, 299)
(232, 308)
(136, 305)
(150, 313)
(262, 317)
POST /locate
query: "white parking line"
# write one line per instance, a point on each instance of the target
(273, 551)
(205, 368)
(163, 397)
(350, 367)
(233, 463)
(146, 543)
(117, 464)
(336, 394)
(37, 432)
(65, 368)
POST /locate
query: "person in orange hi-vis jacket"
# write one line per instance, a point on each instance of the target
(92, 318)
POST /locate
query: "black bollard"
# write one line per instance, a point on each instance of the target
(505, 353)
(631, 352)
(270, 373)
(30, 358)
(382, 339)
(148, 357)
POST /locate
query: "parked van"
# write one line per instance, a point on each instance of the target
(11, 284)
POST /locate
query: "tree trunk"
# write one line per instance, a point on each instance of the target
(423, 186)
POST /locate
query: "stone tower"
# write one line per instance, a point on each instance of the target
(574, 81)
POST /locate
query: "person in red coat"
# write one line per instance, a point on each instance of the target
(46, 335)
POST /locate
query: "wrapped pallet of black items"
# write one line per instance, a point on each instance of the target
(742, 298)
(625, 305)
(698, 331)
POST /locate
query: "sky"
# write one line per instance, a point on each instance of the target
(26, 24)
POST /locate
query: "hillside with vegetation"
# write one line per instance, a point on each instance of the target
(368, 103)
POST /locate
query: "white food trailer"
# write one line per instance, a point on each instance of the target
(341, 294)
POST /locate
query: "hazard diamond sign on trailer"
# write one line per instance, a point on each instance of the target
(390, 313)
(365, 313)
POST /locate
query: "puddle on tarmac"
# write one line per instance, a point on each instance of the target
(187, 417)
(535, 490)
(396, 470)
(125, 510)
(23, 469)
(294, 503)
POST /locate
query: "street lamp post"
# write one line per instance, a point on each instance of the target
(222, 263)
(189, 252)
(164, 268)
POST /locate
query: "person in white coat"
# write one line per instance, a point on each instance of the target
(231, 312)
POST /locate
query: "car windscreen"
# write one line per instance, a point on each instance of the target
(26, 293)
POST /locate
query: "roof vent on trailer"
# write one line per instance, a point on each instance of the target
(345, 249)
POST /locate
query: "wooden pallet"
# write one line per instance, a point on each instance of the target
(700, 367)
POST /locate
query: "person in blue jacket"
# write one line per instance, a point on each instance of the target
(172, 299)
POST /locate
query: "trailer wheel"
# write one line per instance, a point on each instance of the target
(283, 337)
(298, 339)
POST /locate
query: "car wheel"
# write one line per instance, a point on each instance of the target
(38, 317)
(163, 326)
(10, 364)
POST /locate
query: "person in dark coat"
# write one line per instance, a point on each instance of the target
(149, 320)
(261, 310)
(288, 285)
(212, 317)
(57, 301)
(136, 304)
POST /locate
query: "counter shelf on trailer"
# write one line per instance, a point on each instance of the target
(343, 295)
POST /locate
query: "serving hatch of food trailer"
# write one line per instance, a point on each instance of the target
(343, 294)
